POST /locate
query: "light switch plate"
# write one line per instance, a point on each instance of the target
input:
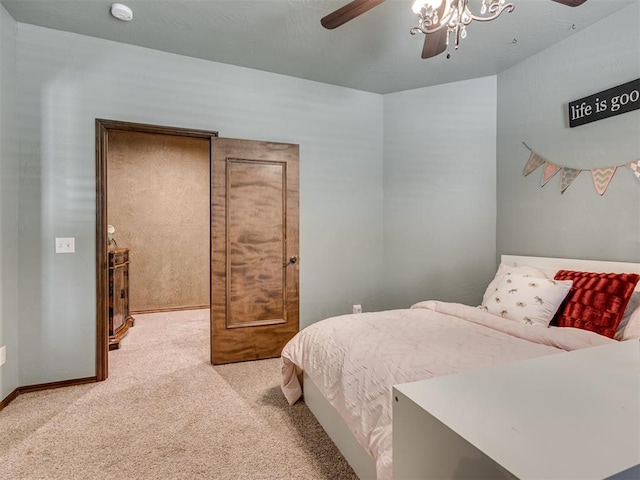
(3, 354)
(65, 245)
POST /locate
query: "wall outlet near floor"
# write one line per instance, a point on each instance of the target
(357, 309)
(3, 354)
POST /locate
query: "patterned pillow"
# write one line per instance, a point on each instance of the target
(596, 301)
(504, 270)
(526, 299)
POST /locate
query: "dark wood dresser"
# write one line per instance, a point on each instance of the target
(119, 319)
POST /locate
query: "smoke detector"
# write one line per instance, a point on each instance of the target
(121, 12)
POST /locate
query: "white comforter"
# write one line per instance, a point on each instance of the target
(355, 359)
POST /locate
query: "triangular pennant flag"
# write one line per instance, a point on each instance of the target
(568, 176)
(635, 168)
(602, 177)
(533, 163)
(549, 171)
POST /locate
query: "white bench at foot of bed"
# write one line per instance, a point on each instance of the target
(570, 415)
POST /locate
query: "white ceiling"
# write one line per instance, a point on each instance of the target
(373, 52)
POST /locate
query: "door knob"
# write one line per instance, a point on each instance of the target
(292, 260)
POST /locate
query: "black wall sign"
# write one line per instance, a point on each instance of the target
(614, 101)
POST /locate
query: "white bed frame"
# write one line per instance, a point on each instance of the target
(361, 462)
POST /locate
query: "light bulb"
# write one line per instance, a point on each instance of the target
(418, 5)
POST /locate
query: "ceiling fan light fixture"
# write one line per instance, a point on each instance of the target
(439, 20)
(454, 16)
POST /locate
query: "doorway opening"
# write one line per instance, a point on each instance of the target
(110, 137)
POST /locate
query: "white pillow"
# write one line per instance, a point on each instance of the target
(526, 299)
(632, 328)
(548, 272)
(505, 269)
(632, 306)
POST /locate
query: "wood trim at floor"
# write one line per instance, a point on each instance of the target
(10, 398)
(171, 309)
(45, 386)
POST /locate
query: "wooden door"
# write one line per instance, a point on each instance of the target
(254, 249)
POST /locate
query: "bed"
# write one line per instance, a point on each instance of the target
(345, 366)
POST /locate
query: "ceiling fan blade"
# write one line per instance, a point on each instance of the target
(434, 43)
(570, 3)
(348, 12)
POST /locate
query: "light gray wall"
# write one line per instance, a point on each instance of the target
(439, 149)
(65, 81)
(532, 99)
(9, 379)
(439, 192)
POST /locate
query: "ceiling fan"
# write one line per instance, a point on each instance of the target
(454, 13)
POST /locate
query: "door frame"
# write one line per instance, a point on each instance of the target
(103, 126)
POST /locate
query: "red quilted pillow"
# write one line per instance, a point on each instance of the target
(596, 301)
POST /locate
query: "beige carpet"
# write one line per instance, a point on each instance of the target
(166, 413)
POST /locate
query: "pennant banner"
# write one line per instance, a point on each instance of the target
(533, 163)
(635, 168)
(549, 171)
(568, 176)
(601, 176)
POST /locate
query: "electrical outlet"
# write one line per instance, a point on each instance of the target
(357, 309)
(3, 354)
(65, 245)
